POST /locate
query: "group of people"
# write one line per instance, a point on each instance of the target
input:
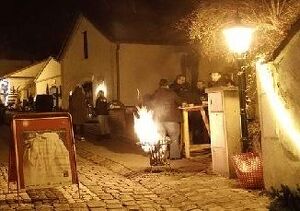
(79, 110)
(165, 102)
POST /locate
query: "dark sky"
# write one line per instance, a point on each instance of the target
(33, 28)
(36, 29)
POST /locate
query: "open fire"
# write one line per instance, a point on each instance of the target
(149, 138)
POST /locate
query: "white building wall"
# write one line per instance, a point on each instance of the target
(98, 67)
(280, 135)
(142, 66)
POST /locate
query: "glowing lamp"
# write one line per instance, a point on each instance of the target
(238, 38)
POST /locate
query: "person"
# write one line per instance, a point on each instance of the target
(101, 110)
(228, 80)
(2, 112)
(216, 79)
(78, 110)
(200, 89)
(181, 87)
(198, 131)
(198, 93)
(147, 101)
(165, 104)
(31, 102)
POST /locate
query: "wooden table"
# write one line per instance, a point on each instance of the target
(185, 127)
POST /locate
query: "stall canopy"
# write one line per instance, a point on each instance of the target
(20, 79)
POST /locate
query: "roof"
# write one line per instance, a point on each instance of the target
(30, 71)
(141, 21)
(11, 65)
(25, 76)
(295, 28)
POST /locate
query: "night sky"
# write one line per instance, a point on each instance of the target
(34, 29)
(37, 29)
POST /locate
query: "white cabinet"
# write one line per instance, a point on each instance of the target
(217, 118)
(224, 121)
(215, 102)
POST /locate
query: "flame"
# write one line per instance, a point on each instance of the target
(146, 128)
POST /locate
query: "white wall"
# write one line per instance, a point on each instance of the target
(99, 66)
(280, 150)
(142, 66)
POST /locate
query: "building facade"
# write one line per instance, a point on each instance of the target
(119, 68)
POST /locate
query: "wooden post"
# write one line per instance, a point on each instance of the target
(185, 134)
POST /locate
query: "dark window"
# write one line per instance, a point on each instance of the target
(85, 45)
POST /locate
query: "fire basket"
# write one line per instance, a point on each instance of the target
(150, 140)
(158, 153)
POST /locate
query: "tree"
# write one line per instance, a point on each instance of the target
(272, 19)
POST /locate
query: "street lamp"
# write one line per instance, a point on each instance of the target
(239, 39)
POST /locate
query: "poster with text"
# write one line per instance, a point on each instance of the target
(43, 150)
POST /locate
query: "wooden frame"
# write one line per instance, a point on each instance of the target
(42, 151)
(185, 137)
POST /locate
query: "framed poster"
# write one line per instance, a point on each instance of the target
(42, 152)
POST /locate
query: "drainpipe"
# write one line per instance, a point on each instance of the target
(118, 70)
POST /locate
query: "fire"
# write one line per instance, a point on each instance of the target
(146, 128)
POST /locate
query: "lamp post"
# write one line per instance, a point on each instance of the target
(239, 38)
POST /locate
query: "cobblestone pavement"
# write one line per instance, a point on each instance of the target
(109, 185)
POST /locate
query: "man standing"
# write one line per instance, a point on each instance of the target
(102, 113)
(78, 110)
(165, 106)
(181, 87)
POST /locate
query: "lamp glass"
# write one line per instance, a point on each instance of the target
(238, 38)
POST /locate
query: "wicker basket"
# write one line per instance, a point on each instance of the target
(249, 171)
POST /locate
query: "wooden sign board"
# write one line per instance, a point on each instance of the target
(42, 151)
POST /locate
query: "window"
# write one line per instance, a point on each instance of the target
(85, 45)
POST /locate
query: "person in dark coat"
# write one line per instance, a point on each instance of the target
(2, 112)
(78, 110)
(198, 93)
(198, 129)
(181, 87)
(101, 110)
(165, 104)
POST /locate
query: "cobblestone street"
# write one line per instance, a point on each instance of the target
(108, 183)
